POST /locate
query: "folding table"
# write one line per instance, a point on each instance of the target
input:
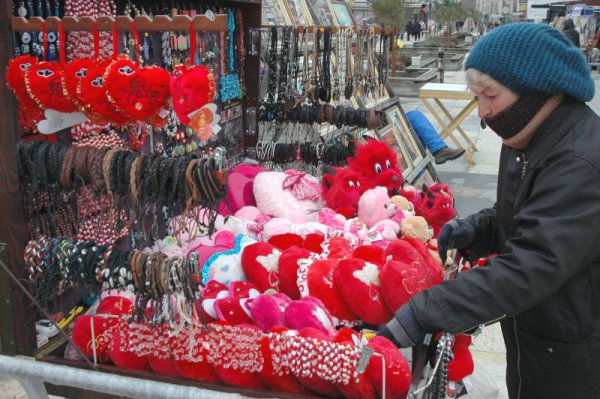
(432, 93)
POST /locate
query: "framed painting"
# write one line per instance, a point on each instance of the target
(298, 12)
(274, 14)
(398, 119)
(342, 13)
(321, 12)
(388, 135)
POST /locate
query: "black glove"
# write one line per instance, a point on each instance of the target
(404, 330)
(458, 234)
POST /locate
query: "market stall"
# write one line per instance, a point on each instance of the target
(196, 198)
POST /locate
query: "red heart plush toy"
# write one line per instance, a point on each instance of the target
(315, 383)
(44, 84)
(361, 388)
(75, 70)
(139, 93)
(192, 87)
(237, 377)
(278, 382)
(397, 370)
(317, 280)
(91, 95)
(259, 261)
(288, 270)
(400, 281)
(360, 286)
(15, 80)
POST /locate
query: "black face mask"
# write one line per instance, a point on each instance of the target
(512, 120)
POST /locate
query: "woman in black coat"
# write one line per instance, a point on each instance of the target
(544, 284)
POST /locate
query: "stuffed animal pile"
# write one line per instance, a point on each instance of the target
(296, 264)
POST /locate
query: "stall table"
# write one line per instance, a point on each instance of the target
(432, 93)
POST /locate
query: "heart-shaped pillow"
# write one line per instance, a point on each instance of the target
(239, 378)
(91, 95)
(82, 335)
(286, 240)
(278, 381)
(317, 279)
(44, 85)
(192, 87)
(370, 253)
(361, 387)
(128, 360)
(400, 281)
(243, 289)
(359, 284)
(288, 270)
(397, 371)
(231, 310)
(226, 266)
(435, 271)
(316, 383)
(201, 370)
(259, 261)
(74, 71)
(309, 312)
(267, 310)
(139, 93)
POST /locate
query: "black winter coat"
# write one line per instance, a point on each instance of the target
(545, 283)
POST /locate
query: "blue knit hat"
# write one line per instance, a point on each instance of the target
(529, 57)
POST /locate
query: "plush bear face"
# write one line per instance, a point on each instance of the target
(377, 163)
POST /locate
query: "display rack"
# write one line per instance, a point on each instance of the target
(17, 332)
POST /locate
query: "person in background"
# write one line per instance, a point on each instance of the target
(431, 139)
(409, 30)
(416, 30)
(570, 32)
(543, 284)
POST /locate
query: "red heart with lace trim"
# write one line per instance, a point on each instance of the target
(139, 93)
(44, 85)
(91, 92)
(260, 264)
(192, 87)
(400, 281)
(15, 80)
(359, 283)
(73, 73)
(288, 270)
(318, 281)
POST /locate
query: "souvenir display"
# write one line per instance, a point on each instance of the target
(202, 229)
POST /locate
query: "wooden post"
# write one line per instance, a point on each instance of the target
(17, 333)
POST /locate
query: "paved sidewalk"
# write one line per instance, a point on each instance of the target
(474, 188)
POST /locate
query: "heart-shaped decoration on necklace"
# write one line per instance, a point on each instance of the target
(91, 92)
(139, 93)
(192, 87)
(74, 72)
(44, 84)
